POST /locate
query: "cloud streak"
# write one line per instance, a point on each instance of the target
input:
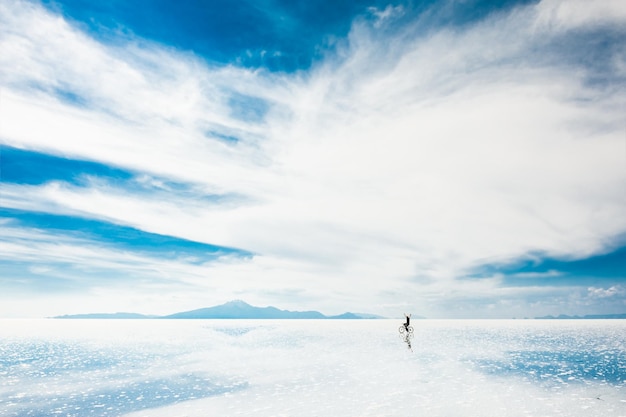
(380, 176)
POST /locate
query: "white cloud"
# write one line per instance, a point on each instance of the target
(611, 292)
(568, 14)
(388, 13)
(389, 169)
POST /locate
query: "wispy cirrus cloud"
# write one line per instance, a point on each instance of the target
(381, 175)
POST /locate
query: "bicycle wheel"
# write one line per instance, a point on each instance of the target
(401, 329)
(410, 329)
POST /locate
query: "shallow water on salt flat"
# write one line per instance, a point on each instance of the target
(312, 368)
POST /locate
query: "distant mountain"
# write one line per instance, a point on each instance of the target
(587, 317)
(367, 316)
(356, 316)
(236, 309)
(106, 316)
(344, 316)
(241, 310)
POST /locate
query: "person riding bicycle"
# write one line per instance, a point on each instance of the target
(408, 321)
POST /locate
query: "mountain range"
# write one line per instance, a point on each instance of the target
(236, 309)
(587, 317)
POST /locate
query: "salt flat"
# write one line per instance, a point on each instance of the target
(312, 368)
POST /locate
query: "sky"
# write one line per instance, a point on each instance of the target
(451, 159)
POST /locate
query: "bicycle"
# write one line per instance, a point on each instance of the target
(407, 329)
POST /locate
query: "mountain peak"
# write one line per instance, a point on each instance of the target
(239, 309)
(237, 303)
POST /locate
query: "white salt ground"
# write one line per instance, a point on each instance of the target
(312, 368)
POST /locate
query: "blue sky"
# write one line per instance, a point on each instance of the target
(449, 158)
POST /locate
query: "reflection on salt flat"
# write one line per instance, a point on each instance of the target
(74, 379)
(567, 367)
(115, 400)
(311, 367)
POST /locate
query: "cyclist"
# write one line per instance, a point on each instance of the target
(408, 321)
